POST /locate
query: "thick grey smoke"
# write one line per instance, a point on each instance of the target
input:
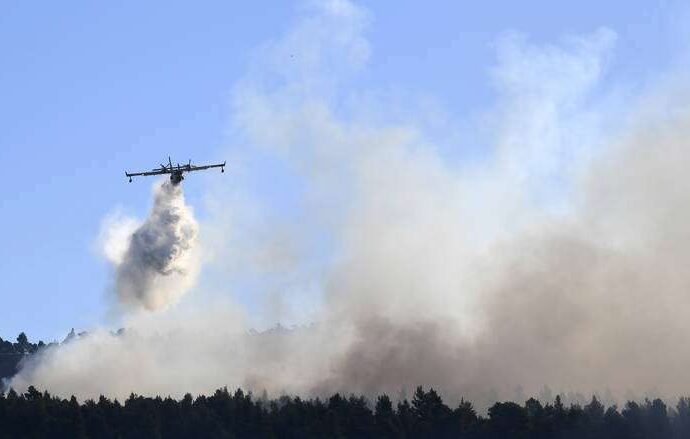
(555, 255)
(159, 264)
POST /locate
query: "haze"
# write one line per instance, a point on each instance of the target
(539, 240)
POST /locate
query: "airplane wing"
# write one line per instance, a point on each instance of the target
(190, 168)
(154, 172)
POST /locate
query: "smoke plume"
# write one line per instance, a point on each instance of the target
(159, 264)
(549, 249)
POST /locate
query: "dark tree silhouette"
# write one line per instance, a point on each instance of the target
(508, 419)
(224, 414)
(387, 425)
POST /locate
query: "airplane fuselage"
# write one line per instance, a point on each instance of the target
(176, 177)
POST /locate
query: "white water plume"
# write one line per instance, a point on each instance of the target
(160, 261)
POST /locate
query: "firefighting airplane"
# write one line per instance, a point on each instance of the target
(175, 172)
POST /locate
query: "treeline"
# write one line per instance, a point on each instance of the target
(22, 346)
(239, 415)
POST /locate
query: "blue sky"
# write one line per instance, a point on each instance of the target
(87, 91)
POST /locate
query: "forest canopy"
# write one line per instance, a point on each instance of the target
(21, 346)
(241, 415)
